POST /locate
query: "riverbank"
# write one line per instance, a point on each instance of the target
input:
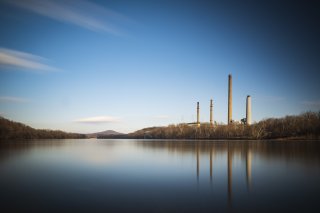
(305, 126)
(10, 130)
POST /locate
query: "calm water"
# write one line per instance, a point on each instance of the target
(159, 176)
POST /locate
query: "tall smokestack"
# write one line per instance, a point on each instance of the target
(248, 110)
(198, 115)
(211, 113)
(230, 100)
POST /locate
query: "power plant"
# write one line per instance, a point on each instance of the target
(198, 115)
(229, 99)
(247, 120)
(248, 110)
(211, 113)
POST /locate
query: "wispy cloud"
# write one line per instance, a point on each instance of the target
(312, 104)
(22, 60)
(10, 99)
(77, 12)
(98, 120)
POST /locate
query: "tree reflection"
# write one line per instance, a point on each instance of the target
(238, 155)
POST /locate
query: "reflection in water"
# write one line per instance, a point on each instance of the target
(248, 167)
(159, 176)
(229, 176)
(211, 164)
(264, 153)
(198, 162)
(248, 160)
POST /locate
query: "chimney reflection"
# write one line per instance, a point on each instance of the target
(231, 150)
(229, 176)
(198, 162)
(248, 168)
(211, 163)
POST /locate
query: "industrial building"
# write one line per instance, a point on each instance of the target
(247, 120)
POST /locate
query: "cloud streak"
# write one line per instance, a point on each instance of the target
(98, 120)
(10, 99)
(81, 13)
(22, 60)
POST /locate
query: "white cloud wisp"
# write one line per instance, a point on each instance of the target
(98, 120)
(81, 13)
(21, 60)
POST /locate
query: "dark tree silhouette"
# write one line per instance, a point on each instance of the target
(14, 130)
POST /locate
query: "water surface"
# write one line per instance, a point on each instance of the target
(159, 176)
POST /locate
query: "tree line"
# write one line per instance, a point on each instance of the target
(14, 130)
(305, 125)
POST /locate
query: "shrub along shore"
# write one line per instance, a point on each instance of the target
(14, 130)
(303, 126)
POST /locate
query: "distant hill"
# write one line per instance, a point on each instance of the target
(15, 130)
(106, 133)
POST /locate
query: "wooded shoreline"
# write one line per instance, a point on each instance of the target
(305, 126)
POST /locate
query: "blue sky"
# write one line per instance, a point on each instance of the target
(87, 66)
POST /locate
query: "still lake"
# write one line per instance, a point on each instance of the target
(105, 175)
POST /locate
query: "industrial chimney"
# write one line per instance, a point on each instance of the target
(248, 110)
(230, 100)
(198, 116)
(211, 113)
